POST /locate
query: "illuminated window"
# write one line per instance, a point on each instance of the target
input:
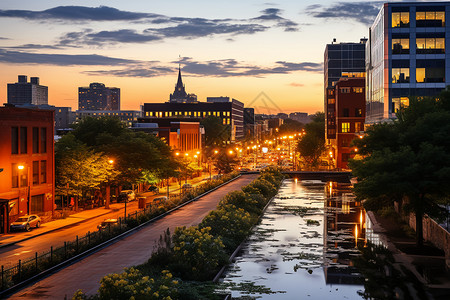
(228, 121)
(430, 75)
(345, 127)
(357, 90)
(430, 45)
(358, 112)
(358, 126)
(400, 75)
(330, 92)
(400, 19)
(398, 103)
(344, 90)
(430, 19)
(224, 121)
(331, 101)
(400, 46)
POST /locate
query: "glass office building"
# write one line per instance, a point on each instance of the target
(405, 56)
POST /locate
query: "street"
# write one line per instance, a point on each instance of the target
(132, 250)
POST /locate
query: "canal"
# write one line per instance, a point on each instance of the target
(303, 247)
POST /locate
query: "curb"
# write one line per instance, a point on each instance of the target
(94, 249)
(51, 230)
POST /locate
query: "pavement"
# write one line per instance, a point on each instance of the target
(133, 249)
(84, 215)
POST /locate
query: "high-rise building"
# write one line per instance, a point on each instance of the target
(98, 97)
(340, 60)
(24, 92)
(406, 56)
(179, 95)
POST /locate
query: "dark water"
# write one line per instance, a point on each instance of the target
(303, 247)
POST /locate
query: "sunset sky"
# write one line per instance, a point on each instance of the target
(225, 48)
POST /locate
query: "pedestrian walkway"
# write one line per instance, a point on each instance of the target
(82, 216)
(132, 250)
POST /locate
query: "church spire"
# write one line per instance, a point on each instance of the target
(179, 85)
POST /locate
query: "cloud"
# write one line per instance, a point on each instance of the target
(35, 46)
(3, 38)
(78, 13)
(20, 57)
(106, 37)
(295, 84)
(274, 15)
(212, 68)
(362, 12)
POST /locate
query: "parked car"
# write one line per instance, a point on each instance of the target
(26, 222)
(127, 195)
(159, 200)
(187, 186)
(106, 223)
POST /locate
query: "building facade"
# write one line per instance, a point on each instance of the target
(231, 113)
(126, 116)
(24, 92)
(27, 163)
(406, 56)
(340, 60)
(348, 94)
(98, 97)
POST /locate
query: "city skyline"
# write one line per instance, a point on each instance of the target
(230, 49)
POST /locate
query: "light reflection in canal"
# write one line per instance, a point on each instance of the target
(303, 246)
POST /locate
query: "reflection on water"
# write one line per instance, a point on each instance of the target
(303, 247)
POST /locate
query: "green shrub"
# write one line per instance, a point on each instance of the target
(232, 224)
(131, 284)
(266, 188)
(196, 254)
(241, 200)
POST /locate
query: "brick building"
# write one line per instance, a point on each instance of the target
(27, 163)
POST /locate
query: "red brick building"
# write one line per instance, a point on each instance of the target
(27, 163)
(346, 122)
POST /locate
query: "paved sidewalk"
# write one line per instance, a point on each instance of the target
(132, 250)
(16, 237)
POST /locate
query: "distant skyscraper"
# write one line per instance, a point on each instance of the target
(24, 92)
(98, 97)
(180, 95)
(407, 55)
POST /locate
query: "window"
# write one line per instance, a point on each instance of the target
(358, 90)
(37, 204)
(400, 46)
(23, 140)
(14, 140)
(345, 127)
(35, 139)
(330, 92)
(35, 172)
(400, 75)
(43, 171)
(331, 101)
(43, 140)
(358, 112)
(345, 112)
(430, 19)
(358, 126)
(14, 176)
(430, 45)
(430, 75)
(344, 90)
(400, 19)
(398, 103)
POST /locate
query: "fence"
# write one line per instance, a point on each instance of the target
(41, 262)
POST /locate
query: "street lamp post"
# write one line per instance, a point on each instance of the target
(21, 167)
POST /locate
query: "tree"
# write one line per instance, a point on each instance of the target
(312, 144)
(216, 133)
(225, 162)
(413, 165)
(290, 126)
